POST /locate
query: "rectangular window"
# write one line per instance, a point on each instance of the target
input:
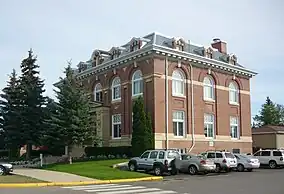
(98, 96)
(178, 87)
(234, 128)
(137, 87)
(178, 123)
(116, 126)
(209, 125)
(116, 93)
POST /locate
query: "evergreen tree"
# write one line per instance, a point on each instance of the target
(73, 117)
(140, 134)
(32, 102)
(10, 106)
(270, 114)
(52, 137)
(149, 132)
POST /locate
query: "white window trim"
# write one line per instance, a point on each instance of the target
(137, 80)
(209, 123)
(182, 80)
(238, 128)
(212, 87)
(235, 91)
(113, 87)
(96, 90)
(179, 121)
(117, 123)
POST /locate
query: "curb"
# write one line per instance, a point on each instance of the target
(21, 185)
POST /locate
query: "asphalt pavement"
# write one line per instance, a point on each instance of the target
(260, 181)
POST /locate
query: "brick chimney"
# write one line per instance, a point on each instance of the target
(219, 45)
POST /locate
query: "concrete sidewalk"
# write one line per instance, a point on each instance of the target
(51, 176)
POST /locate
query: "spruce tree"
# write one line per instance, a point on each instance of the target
(270, 114)
(140, 137)
(149, 131)
(52, 137)
(10, 106)
(73, 117)
(32, 102)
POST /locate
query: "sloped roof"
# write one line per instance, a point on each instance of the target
(268, 129)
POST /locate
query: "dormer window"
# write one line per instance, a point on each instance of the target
(135, 45)
(233, 59)
(178, 44)
(82, 66)
(209, 53)
(115, 53)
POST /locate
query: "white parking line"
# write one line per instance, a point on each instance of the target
(119, 189)
(141, 191)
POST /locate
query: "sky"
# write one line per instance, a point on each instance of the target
(58, 31)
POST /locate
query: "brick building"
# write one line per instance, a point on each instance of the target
(199, 97)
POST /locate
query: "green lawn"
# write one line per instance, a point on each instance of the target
(97, 169)
(18, 179)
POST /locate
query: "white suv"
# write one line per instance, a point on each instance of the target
(271, 158)
(224, 160)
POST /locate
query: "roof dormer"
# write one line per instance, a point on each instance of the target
(178, 43)
(137, 43)
(115, 52)
(209, 52)
(233, 59)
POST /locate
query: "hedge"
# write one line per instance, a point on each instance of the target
(99, 151)
(4, 153)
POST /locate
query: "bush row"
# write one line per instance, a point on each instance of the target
(124, 151)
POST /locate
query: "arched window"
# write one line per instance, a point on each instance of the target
(137, 83)
(208, 88)
(115, 87)
(178, 83)
(233, 93)
(98, 93)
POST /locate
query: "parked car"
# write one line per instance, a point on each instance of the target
(194, 164)
(271, 158)
(5, 168)
(224, 160)
(160, 161)
(246, 162)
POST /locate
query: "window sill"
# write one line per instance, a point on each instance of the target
(208, 100)
(137, 95)
(179, 95)
(210, 138)
(234, 103)
(116, 138)
(235, 139)
(179, 137)
(116, 100)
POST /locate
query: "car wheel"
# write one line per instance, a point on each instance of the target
(240, 168)
(192, 170)
(249, 169)
(2, 171)
(132, 167)
(272, 164)
(218, 168)
(157, 170)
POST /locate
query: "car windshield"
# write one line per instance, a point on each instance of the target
(172, 154)
(229, 155)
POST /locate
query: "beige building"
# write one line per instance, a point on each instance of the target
(268, 137)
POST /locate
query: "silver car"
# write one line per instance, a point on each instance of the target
(5, 168)
(246, 162)
(194, 164)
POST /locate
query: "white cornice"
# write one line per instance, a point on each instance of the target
(160, 50)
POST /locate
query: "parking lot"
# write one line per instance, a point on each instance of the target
(260, 181)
